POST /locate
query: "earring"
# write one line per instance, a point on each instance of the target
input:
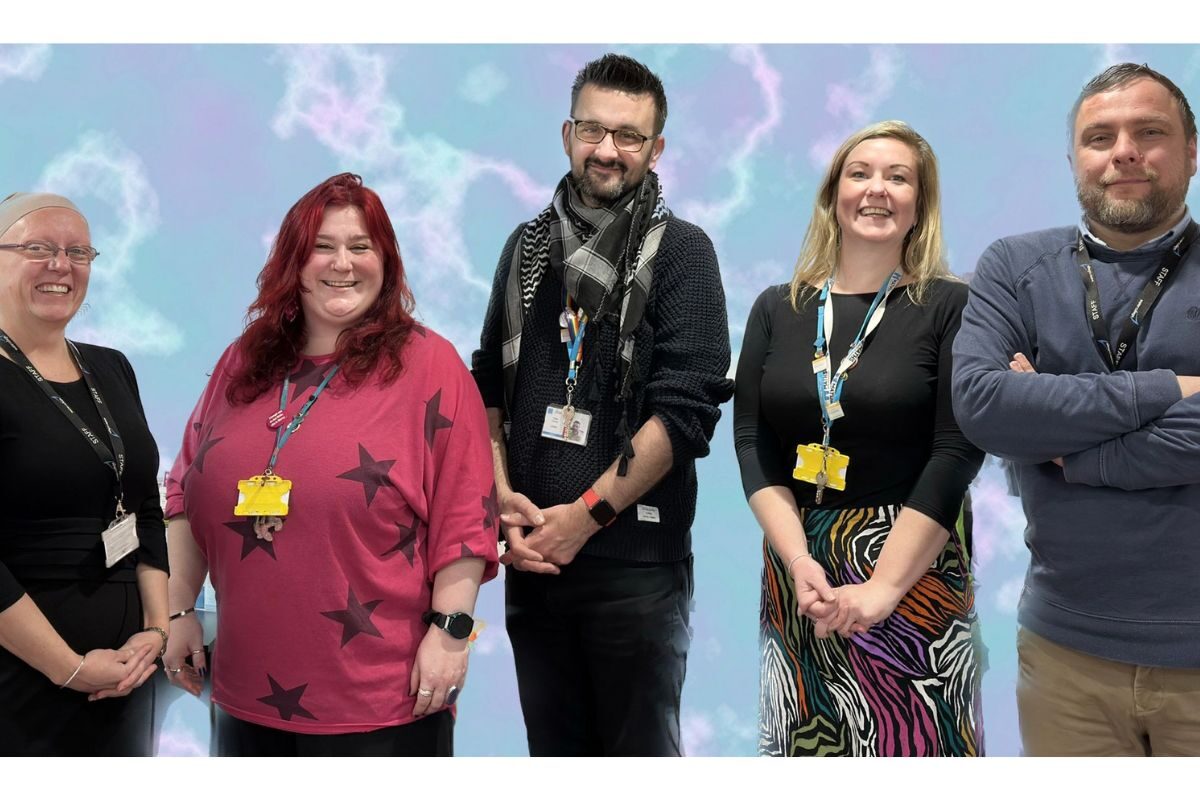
(290, 311)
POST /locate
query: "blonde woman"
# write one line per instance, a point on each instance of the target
(856, 471)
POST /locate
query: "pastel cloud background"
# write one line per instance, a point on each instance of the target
(186, 157)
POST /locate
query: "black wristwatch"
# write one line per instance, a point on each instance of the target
(600, 509)
(459, 624)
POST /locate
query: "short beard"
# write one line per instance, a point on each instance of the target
(590, 189)
(1130, 216)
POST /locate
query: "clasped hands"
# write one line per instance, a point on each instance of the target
(557, 536)
(845, 610)
(116, 673)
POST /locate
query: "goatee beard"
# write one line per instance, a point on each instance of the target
(1133, 215)
(591, 190)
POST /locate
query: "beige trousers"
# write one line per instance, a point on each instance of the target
(1074, 704)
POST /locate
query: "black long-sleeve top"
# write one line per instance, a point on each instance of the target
(899, 430)
(681, 359)
(56, 497)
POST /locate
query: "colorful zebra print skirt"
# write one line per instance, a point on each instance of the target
(907, 687)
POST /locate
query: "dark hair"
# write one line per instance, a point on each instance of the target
(274, 336)
(623, 74)
(1119, 75)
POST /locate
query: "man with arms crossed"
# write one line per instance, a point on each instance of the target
(602, 362)
(1075, 362)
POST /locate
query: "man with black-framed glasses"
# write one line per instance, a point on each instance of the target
(603, 363)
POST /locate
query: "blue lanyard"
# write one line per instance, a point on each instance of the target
(285, 433)
(576, 327)
(829, 382)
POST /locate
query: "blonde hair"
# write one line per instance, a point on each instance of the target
(924, 251)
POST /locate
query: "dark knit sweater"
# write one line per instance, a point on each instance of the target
(680, 364)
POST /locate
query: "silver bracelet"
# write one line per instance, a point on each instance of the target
(795, 559)
(76, 672)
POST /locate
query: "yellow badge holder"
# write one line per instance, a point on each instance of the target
(812, 460)
(263, 496)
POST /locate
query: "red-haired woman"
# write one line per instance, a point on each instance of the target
(346, 553)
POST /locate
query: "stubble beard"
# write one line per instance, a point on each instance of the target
(1132, 215)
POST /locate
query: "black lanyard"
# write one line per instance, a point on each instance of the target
(114, 462)
(1143, 306)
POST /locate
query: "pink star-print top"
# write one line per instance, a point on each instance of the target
(317, 630)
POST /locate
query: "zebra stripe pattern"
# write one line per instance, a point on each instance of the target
(907, 687)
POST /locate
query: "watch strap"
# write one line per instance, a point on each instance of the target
(600, 509)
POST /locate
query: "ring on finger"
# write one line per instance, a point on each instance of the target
(425, 692)
(451, 695)
(197, 652)
(174, 670)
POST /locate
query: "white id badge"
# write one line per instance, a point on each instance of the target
(561, 429)
(120, 539)
(647, 513)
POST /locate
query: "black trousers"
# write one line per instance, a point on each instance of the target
(601, 653)
(428, 736)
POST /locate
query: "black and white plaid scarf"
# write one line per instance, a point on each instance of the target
(592, 250)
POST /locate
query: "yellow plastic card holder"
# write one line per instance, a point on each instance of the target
(812, 459)
(263, 496)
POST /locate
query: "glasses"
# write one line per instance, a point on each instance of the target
(623, 138)
(44, 251)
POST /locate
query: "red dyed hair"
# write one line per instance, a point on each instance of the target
(274, 337)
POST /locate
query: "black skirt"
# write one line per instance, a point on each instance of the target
(37, 717)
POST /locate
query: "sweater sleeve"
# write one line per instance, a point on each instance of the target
(487, 363)
(761, 459)
(464, 517)
(1033, 418)
(953, 460)
(151, 531)
(690, 360)
(1165, 452)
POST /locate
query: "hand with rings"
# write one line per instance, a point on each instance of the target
(186, 642)
(439, 672)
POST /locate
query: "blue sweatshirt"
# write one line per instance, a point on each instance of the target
(1114, 534)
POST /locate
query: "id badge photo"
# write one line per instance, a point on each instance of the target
(263, 496)
(562, 425)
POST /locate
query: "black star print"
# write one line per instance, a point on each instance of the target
(434, 421)
(250, 541)
(355, 618)
(408, 540)
(491, 510)
(286, 701)
(205, 446)
(372, 474)
(307, 376)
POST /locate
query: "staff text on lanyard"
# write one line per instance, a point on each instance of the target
(1141, 309)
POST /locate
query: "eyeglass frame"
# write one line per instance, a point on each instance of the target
(55, 250)
(609, 131)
